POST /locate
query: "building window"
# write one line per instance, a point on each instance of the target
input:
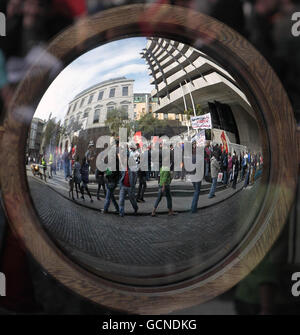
(125, 91)
(69, 110)
(90, 98)
(112, 92)
(166, 116)
(109, 110)
(96, 116)
(100, 96)
(71, 121)
(125, 108)
(86, 114)
(177, 116)
(78, 117)
(75, 106)
(82, 102)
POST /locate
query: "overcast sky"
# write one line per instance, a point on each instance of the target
(115, 59)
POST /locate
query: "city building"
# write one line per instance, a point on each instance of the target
(35, 138)
(185, 77)
(89, 109)
(143, 104)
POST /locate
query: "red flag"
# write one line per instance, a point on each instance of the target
(137, 138)
(224, 142)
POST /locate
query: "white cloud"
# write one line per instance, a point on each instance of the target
(119, 58)
(126, 70)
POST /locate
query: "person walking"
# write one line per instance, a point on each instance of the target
(244, 165)
(224, 160)
(44, 165)
(142, 176)
(229, 169)
(77, 176)
(66, 162)
(235, 169)
(247, 171)
(84, 172)
(99, 175)
(127, 187)
(111, 179)
(164, 188)
(207, 155)
(196, 184)
(214, 168)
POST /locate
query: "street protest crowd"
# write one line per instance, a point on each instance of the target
(220, 166)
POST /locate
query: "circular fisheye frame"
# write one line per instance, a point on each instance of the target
(193, 120)
(159, 179)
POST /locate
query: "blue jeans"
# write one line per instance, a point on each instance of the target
(243, 172)
(168, 196)
(197, 187)
(246, 182)
(130, 191)
(67, 169)
(142, 187)
(110, 197)
(225, 177)
(213, 187)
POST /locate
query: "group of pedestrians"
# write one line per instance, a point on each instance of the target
(219, 166)
(227, 167)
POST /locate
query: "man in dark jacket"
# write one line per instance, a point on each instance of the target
(224, 165)
(84, 171)
(99, 175)
(111, 179)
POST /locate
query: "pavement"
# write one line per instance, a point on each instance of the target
(142, 250)
(182, 193)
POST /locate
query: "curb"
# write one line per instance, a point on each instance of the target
(138, 214)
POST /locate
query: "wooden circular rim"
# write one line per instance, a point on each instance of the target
(265, 92)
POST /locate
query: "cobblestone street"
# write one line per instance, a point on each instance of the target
(143, 246)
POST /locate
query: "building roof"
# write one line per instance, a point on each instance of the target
(36, 119)
(100, 84)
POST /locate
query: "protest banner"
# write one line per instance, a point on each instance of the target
(201, 121)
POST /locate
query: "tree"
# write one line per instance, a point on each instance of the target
(149, 125)
(71, 128)
(116, 119)
(50, 133)
(190, 112)
(58, 133)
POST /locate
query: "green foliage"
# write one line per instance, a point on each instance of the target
(148, 124)
(50, 133)
(190, 112)
(71, 128)
(117, 119)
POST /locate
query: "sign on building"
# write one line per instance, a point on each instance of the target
(201, 121)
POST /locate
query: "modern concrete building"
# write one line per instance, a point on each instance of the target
(185, 77)
(35, 137)
(89, 108)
